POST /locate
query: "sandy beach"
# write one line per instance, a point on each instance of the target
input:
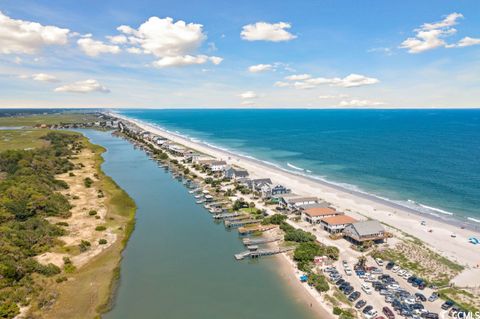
(436, 233)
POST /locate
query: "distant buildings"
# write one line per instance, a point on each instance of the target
(295, 202)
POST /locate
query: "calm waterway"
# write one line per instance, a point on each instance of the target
(178, 263)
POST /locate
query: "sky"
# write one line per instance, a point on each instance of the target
(240, 54)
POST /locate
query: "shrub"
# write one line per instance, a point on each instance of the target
(100, 228)
(71, 174)
(88, 182)
(84, 245)
(92, 212)
(62, 224)
(102, 241)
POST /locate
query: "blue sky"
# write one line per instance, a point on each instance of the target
(239, 54)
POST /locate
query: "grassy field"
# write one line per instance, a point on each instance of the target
(32, 120)
(21, 139)
(89, 291)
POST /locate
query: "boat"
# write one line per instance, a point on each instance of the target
(201, 201)
(198, 196)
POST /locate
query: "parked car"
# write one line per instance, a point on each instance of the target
(367, 289)
(420, 297)
(354, 296)
(447, 305)
(388, 312)
(395, 268)
(339, 282)
(390, 265)
(360, 304)
(367, 309)
(433, 297)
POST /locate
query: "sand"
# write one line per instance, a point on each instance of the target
(439, 238)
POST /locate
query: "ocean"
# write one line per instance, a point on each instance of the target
(426, 159)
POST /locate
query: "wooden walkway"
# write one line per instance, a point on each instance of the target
(258, 241)
(258, 228)
(238, 223)
(256, 253)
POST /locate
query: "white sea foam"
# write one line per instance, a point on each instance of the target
(295, 167)
(473, 219)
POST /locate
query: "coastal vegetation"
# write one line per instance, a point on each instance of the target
(422, 261)
(29, 195)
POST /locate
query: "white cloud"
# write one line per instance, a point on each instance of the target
(466, 42)
(86, 86)
(298, 77)
(281, 84)
(118, 39)
(174, 43)
(248, 95)
(25, 37)
(431, 35)
(332, 97)
(169, 61)
(93, 48)
(386, 51)
(42, 77)
(248, 103)
(260, 68)
(359, 103)
(306, 81)
(449, 21)
(134, 50)
(263, 31)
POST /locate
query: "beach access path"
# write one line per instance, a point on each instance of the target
(436, 233)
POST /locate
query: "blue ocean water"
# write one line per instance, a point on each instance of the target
(421, 158)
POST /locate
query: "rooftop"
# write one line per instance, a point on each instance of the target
(339, 220)
(321, 211)
(368, 227)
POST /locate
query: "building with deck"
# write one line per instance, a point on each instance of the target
(294, 202)
(235, 173)
(337, 224)
(369, 230)
(316, 214)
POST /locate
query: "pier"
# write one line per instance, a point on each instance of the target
(254, 252)
(259, 228)
(225, 215)
(238, 223)
(258, 241)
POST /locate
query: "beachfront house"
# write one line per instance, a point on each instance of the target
(319, 204)
(235, 173)
(294, 202)
(369, 230)
(257, 184)
(315, 215)
(337, 224)
(217, 166)
(177, 150)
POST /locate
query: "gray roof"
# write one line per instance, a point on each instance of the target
(368, 227)
(316, 205)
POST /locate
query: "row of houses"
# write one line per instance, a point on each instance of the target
(317, 212)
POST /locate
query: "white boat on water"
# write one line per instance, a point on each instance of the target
(200, 201)
(198, 196)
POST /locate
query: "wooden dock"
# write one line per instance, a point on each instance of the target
(258, 241)
(256, 253)
(259, 228)
(225, 215)
(238, 223)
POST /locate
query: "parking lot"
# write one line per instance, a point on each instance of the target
(373, 286)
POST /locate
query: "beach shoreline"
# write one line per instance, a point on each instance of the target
(437, 233)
